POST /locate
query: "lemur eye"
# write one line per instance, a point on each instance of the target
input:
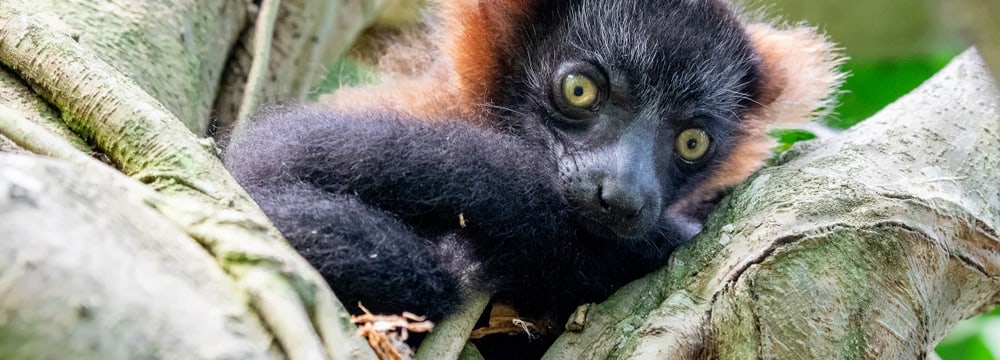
(579, 90)
(692, 144)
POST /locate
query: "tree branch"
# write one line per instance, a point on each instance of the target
(449, 338)
(174, 50)
(109, 278)
(263, 33)
(148, 142)
(309, 35)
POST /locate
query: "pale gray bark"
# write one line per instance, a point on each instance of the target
(88, 270)
(74, 71)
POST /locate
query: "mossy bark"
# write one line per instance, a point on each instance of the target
(174, 50)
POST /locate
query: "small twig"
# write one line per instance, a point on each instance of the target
(449, 337)
(387, 334)
(263, 34)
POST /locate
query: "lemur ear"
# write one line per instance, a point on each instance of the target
(473, 37)
(801, 73)
(478, 36)
(800, 80)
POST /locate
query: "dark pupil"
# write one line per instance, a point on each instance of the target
(578, 91)
(692, 144)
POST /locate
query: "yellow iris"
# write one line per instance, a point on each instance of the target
(692, 144)
(579, 90)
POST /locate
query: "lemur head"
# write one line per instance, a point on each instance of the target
(649, 107)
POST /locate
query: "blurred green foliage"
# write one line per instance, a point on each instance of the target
(345, 72)
(873, 84)
(870, 86)
(972, 339)
(788, 137)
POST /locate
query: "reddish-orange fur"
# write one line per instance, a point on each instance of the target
(474, 36)
(478, 35)
(800, 77)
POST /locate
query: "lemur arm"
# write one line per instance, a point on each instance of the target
(390, 208)
(425, 173)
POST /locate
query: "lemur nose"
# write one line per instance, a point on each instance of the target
(621, 200)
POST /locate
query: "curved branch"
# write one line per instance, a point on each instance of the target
(263, 33)
(449, 338)
(174, 50)
(109, 278)
(308, 35)
(148, 142)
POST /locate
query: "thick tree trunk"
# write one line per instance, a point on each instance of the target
(870, 244)
(135, 80)
(88, 270)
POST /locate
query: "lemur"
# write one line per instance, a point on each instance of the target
(554, 151)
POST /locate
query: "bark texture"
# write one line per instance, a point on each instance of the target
(174, 50)
(871, 244)
(108, 93)
(93, 284)
(309, 35)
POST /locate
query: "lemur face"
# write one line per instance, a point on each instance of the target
(638, 109)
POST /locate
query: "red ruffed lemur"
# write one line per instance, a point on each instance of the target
(553, 151)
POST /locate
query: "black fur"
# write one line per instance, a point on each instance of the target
(374, 201)
(559, 209)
